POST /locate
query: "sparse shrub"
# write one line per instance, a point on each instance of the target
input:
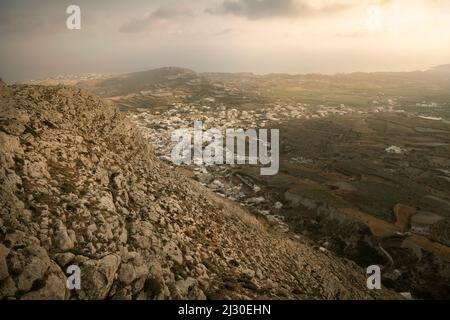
(152, 287)
(68, 188)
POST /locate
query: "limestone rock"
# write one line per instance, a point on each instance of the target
(3, 267)
(62, 240)
(97, 277)
(127, 273)
(36, 274)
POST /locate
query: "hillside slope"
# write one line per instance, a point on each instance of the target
(79, 185)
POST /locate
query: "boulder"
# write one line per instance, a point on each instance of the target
(97, 277)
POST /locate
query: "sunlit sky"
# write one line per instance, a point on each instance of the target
(260, 36)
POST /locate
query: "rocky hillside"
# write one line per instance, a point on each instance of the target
(79, 185)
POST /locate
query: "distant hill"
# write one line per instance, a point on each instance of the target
(442, 68)
(141, 81)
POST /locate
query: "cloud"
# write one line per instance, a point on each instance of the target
(162, 14)
(224, 32)
(262, 9)
(352, 35)
(19, 18)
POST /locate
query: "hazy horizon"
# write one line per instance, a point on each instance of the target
(258, 36)
(219, 72)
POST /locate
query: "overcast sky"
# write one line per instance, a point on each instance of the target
(261, 36)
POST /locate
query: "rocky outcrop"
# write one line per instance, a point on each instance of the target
(80, 186)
